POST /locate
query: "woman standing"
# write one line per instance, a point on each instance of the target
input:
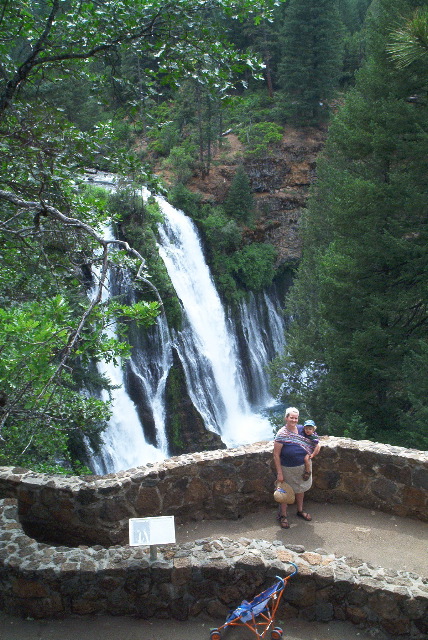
(289, 450)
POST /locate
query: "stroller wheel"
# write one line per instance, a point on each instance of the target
(276, 633)
(215, 634)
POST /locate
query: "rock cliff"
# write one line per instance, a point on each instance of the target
(280, 183)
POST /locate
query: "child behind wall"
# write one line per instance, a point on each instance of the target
(310, 433)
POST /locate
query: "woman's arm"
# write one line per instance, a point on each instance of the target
(277, 447)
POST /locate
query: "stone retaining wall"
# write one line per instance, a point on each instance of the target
(216, 484)
(43, 580)
(210, 576)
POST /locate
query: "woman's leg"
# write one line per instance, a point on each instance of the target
(299, 503)
(283, 520)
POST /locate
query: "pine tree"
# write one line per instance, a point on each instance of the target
(361, 296)
(239, 202)
(311, 39)
(353, 13)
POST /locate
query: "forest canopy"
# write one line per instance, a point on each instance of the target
(126, 86)
(58, 76)
(357, 346)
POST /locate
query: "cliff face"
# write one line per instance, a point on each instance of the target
(184, 425)
(280, 183)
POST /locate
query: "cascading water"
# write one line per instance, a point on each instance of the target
(124, 443)
(224, 358)
(146, 376)
(206, 345)
(260, 333)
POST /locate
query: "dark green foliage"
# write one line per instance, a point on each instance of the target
(311, 40)
(259, 138)
(221, 232)
(138, 224)
(244, 110)
(185, 200)
(353, 13)
(360, 300)
(239, 202)
(165, 134)
(181, 163)
(253, 266)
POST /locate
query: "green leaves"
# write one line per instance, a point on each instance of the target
(143, 313)
(254, 265)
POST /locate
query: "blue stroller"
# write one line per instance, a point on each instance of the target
(263, 607)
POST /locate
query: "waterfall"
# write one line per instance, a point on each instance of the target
(223, 354)
(124, 443)
(146, 376)
(260, 331)
(207, 344)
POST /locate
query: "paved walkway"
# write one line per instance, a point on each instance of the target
(104, 628)
(381, 539)
(346, 530)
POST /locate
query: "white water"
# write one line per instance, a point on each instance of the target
(263, 328)
(206, 344)
(227, 397)
(124, 443)
(152, 372)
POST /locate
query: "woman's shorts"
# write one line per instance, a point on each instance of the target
(293, 475)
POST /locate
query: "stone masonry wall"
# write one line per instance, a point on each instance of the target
(209, 576)
(99, 573)
(215, 484)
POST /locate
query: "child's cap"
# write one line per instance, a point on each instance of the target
(310, 423)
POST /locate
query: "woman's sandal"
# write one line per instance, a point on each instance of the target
(306, 475)
(283, 522)
(304, 515)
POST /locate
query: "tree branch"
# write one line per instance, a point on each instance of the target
(33, 61)
(46, 209)
(24, 70)
(67, 221)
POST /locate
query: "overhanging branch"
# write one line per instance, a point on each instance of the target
(52, 212)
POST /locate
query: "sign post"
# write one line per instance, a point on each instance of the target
(151, 531)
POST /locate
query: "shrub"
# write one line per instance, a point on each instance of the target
(221, 232)
(239, 202)
(181, 164)
(259, 137)
(254, 265)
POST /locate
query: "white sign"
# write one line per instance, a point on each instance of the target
(151, 531)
